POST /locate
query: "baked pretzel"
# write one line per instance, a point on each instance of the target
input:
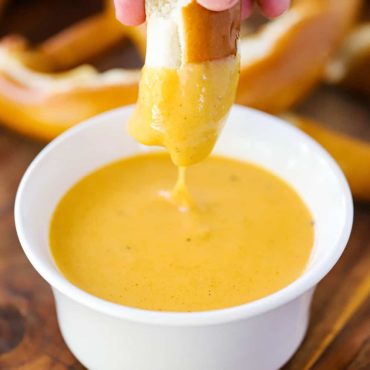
(279, 65)
(352, 155)
(282, 63)
(351, 66)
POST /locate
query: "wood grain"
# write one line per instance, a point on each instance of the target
(339, 332)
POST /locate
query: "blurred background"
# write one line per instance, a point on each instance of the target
(317, 75)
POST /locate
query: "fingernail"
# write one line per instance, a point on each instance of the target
(218, 5)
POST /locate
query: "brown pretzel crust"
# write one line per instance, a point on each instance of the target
(210, 35)
(351, 66)
(352, 155)
(296, 61)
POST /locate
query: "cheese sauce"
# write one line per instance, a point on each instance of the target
(116, 235)
(184, 109)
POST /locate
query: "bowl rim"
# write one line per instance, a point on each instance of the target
(304, 283)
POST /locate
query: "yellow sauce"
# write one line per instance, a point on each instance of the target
(184, 109)
(180, 194)
(115, 235)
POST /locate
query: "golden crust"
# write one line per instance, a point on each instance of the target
(351, 66)
(73, 44)
(296, 61)
(209, 35)
(46, 115)
(352, 155)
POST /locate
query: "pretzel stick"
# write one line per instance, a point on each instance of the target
(352, 155)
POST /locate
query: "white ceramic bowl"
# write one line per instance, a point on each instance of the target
(261, 335)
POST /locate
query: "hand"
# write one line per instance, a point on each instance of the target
(132, 12)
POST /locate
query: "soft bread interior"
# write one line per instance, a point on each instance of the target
(182, 31)
(164, 47)
(164, 8)
(165, 36)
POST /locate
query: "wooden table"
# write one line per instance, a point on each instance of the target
(339, 332)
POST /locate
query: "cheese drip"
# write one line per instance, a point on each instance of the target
(184, 110)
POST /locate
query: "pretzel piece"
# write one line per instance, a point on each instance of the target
(283, 62)
(352, 155)
(351, 66)
(279, 65)
(82, 41)
(47, 104)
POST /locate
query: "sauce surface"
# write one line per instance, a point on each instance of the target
(116, 235)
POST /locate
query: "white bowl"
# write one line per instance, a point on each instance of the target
(261, 335)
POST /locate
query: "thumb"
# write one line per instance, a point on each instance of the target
(130, 12)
